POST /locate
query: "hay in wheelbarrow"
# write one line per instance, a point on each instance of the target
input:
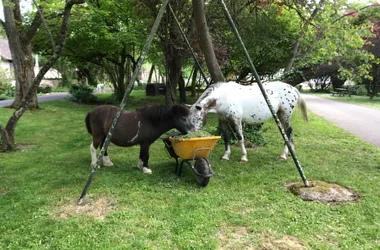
(195, 134)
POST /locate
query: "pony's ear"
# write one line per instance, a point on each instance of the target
(198, 107)
(180, 110)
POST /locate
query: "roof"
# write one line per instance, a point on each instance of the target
(5, 52)
(52, 74)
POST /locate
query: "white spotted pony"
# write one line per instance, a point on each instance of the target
(100, 88)
(235, 103)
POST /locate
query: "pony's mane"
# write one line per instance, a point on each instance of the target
(208, 91)
(162, 112)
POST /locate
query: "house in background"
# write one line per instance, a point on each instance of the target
(7, 66)
(52, 75)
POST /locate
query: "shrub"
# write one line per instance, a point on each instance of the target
(4, 86)
(359, 90)
(5, 82)
(251, 132)
(45, 87)
(10, 91)
(82, 94)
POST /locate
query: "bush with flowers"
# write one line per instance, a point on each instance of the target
(45, 87)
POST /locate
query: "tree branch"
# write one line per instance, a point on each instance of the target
(34, 26)
(11, 125)
(40, 12)
(348, 14)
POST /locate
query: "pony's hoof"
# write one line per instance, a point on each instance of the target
(226, 157)
(146, 170)
(283, 158)
(93, 165)
(107, 162)
(243, 161)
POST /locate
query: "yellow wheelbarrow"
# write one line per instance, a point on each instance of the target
(193, 152)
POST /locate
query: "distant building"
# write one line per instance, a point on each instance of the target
(6, 58)
(7, 65)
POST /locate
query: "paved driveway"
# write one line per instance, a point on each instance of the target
(358, 120)
(43, 98)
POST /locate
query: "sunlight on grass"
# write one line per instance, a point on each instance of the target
(244, 205)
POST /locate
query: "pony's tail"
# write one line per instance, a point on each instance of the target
(88, 123)
(302, 105)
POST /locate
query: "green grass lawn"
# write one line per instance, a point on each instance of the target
(359, 100)
(245, 205)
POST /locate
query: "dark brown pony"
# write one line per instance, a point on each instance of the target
(142, 127)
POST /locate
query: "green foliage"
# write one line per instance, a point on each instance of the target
(82, 94)
(252, 133)
(359, 90)
(45, 87)
(60, 89)
(6, 88)
(267, 33)
(10, 91)
(335, 38)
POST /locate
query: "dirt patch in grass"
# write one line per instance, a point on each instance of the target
(233, 237)
(272, 241)
(324, 192)
(97, 208)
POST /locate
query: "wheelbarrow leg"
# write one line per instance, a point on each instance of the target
(180, 168)
(176, 165)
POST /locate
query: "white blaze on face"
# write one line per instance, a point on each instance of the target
(196, 118)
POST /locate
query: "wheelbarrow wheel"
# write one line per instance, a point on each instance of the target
(203, 172)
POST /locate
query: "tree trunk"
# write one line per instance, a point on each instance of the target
(376, 80)
(182, 89)
(206, 42)
(151, 74)
(194, 82)
(295, 51)
(336, 81)
(173, 67)
(21, 51)
(7, 134)
(6, 142)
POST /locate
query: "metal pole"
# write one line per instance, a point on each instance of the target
(297, 163)
(189, 46)
(126, 96)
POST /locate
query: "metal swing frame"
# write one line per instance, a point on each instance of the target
(144, 52)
